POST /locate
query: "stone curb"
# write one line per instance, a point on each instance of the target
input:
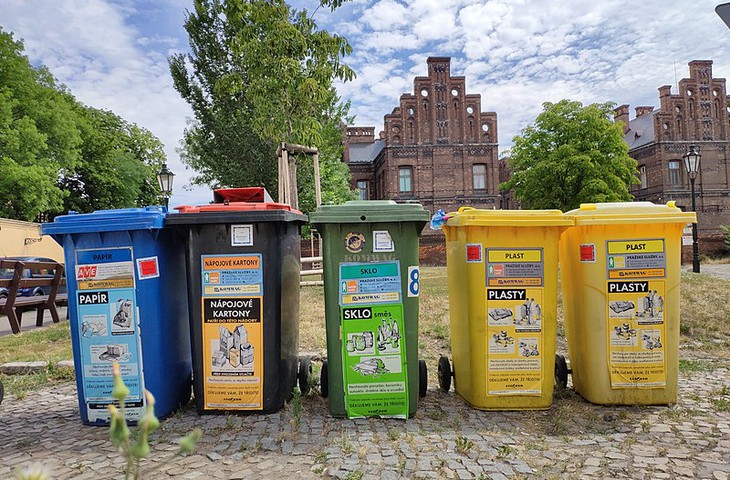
(24, 368)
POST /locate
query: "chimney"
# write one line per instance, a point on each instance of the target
(360, 134)
(665, 92)
(621, 114)
(643, 110)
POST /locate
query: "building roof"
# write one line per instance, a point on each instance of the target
(365, 152)
(641, 131)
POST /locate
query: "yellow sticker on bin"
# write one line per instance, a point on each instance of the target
(635, 246)
(513, 255)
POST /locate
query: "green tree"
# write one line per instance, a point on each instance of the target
(118, 167)
(39, 140)
(57, 154)
(572, 154)
(260, 73)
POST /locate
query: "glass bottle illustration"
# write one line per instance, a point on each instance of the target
(395, 336)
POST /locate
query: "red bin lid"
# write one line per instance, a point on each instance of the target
(245, 194)
(238, 200)
(234, 207)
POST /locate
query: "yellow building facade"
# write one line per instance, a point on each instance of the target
(24, 239)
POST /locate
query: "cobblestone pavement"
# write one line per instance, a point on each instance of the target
(446, 439)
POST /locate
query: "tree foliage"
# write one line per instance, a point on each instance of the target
(119, 164)
(572, 154)
(261, 73)
(57, 154)
(38, 136)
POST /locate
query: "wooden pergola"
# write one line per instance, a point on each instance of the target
(288, 194)
(288, 173)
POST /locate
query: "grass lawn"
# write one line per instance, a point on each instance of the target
(704, 328)
(48, 344)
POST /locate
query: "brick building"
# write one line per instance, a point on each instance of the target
(658, 139)
(437, 147)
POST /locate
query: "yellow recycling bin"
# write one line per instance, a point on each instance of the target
(502, 270)
(620, 271)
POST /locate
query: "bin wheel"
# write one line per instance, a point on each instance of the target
(422, 378)
(324, 381)
(2, 392)
(444, 374)
(305, 371)
(561, 371)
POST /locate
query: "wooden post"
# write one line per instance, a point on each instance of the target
(317, 188)
(293, 183)
(286, 177)
(280, 152)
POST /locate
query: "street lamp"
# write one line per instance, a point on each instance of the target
(692, 164)
(164, 179)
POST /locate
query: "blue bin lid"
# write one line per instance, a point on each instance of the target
(148, 218)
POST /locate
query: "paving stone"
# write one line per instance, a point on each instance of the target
(46, 427)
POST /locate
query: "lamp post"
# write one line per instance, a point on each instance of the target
(692, 164)
(164, 179)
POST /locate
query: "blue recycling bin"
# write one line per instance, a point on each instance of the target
(127, 300)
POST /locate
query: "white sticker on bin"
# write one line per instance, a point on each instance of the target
(382, 241)
(242, 235)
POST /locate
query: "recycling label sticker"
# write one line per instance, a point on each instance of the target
(514, 302)
(109, 331)
(636, 327)
(232, 306)
(373, 340)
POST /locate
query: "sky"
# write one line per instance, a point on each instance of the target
(518, 54)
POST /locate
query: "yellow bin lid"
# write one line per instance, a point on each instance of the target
(629, 213)
(470, 216)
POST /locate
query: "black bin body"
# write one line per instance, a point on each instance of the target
(243, 273)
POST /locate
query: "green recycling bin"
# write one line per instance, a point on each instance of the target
(371, 284)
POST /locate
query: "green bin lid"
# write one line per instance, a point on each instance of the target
(630, 213)
(361, 211)
(474, 217)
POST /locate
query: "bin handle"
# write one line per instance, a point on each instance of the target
(464, 209)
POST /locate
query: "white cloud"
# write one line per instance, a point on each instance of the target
(385, 15)
(89, 46)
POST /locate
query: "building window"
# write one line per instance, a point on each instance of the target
(642, 176)
(479, 177)
(405, 174)
(674, 173)
(363, 186)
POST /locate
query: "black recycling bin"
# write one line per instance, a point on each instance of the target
(243, 270)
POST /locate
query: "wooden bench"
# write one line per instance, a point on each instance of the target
(14, 305)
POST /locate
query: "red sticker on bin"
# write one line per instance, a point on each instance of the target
(588, 253)
(474, 253)
(147, 268)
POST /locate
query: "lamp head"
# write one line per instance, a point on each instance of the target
(165, 179)
(692, 162)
